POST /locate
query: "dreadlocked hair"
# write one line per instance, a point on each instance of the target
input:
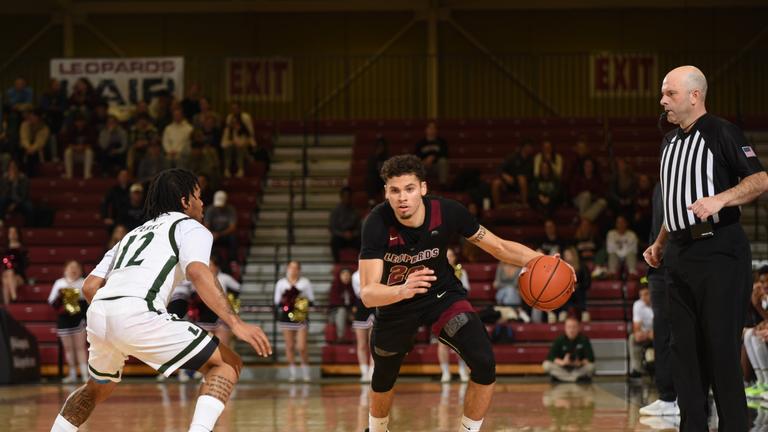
(166, 191)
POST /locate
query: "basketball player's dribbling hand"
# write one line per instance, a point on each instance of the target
(254, 336)
(653, 254)
(417, 282)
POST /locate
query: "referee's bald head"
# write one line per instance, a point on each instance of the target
(692, 77)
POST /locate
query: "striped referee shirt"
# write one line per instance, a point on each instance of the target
(713, 156)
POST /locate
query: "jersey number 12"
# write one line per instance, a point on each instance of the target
(134, 261)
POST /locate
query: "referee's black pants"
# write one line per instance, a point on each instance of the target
(662, 334)
(709, 283)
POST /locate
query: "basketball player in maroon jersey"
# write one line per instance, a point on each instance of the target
(404, 273)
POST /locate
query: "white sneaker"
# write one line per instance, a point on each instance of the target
(661, 408)
(305, 373)
(463, 375)
(445, 378)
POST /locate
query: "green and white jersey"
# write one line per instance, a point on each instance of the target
(152, 259)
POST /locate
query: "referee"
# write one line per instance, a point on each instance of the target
(707, 171)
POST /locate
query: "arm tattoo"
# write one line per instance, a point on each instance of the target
(481, 233)
(217, 386)
(223, 295)
(79, 406)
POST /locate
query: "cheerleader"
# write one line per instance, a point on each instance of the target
(207, 319)
(293, 296)
(363, 323)
(67, 298)
(442, 349)
(14, 264)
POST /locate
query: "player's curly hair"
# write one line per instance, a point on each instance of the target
(399, 165)
(166, 191)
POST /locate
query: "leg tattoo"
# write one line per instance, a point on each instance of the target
(217, 386)
(79, 406)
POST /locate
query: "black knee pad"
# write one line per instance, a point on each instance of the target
(466, 335)
(386, 367)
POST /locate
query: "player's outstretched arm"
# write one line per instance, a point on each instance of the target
(373, 293)
(213, 296)
(503, 250)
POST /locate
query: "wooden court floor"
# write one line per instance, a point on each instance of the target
(519, 405)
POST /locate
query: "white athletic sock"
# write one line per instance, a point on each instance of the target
(207, 411)
(376, 424)
(84, 375)
(363, 370)
(62, 425)
(469, 425)
(445, 368)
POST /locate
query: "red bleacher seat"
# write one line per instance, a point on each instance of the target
(64, 236)
(49, 353)
(69, 200)
(33, 293)
(31, 311)
(480, 272)
(58, 255)
(44, 332)
(77, 218)
(481, 291)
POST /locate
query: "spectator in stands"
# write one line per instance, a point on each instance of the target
(755, 337)
(152, 163)
(622, 188)
(236, 141)
(116, 199)
(586, 241)
(177, 139)
(81, 102)
(577, 303)
(221, 219)
(547, 155)
(621, 245)
(206, 111)
(443, 353)
(140, 109)
(211, 132)
(161, 109)
(641, 337)
(34, 135)
(142, 134)
(344, 224)
(20, 97)
(544, 191)
(581, 153)
(113, 146)
(551, 244)
(515, 175)
(99, 117)
(117, 235)
(641, 222)
(362, 324)
(235, 110)
(14, 265)
(14, 194)
(67, 298)
(190, 105)
(587, 190)
(132, 216)
(78, 142)
(340, 301)
(571, 358)
(203, 159)
(506, 284)
(374, 185)
(433, 152)
(293, 296)
(53, 104)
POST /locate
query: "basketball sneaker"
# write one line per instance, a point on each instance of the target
(661, 408)
(755, 391)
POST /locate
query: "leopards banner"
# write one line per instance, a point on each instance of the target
(123, 81)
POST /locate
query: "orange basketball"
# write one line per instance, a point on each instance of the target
(546, 283)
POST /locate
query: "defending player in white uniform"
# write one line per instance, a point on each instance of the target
(128, 316)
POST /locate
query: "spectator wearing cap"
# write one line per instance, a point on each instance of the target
(221, 220)
(132, 216)
(344, 224)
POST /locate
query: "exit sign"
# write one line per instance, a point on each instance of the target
(615, 75)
